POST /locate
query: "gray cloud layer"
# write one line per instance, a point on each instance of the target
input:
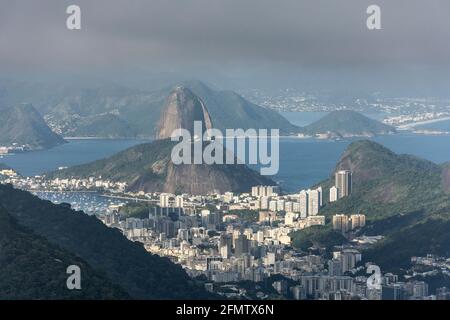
(171, 33)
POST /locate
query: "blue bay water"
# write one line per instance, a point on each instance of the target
(74, 152)
(303, 162)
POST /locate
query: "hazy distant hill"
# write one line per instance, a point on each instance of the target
(32, 268)
(126, 263)
(346, 123)
(229, 110)
(23, 125)
(76, 111)
(104, 126)
(405, 198)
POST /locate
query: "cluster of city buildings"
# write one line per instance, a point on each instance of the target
(70, 184)
(14, 148)
(343, 185)
(8, 173)
(346, 223)
(214, 239)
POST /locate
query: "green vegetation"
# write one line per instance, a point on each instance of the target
(136, 210)
(144, 161)
(141, 274)
(247, 215)
(347, 123)
(419, 239)
(405, 198)
(435, 281)
(148, 167)
(32, 268)
(386, 184)
(317, 237)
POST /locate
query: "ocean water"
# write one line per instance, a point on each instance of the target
(303, 162)
(306, 162)
(443, 125)
(74, 152)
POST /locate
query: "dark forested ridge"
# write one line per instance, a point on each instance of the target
(125, 263)
(32, 268)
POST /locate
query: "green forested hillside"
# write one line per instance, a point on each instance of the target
(141, 274)
(32, 268)
(405, 198)
(148, 167)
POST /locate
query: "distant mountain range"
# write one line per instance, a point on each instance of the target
(113, 111)
(345, 124)
(23, 125)
(148, 167)
(38, 240)
(405, 198)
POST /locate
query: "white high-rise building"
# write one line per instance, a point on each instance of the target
(280, 205)
(228, 197)
(289, 206)
(319, 189)
(341, 223)
(343, 182)
(179, 202)
(270, 258)
(164, 199)
(273, 205)
(333, 194)
(289, 218)
(303, 202)
(260, 236)
(225, 251)
(314, 201)
(264, 203)
(265, 191)
(357, 221)
(296, 207)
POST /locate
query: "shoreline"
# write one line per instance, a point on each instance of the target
(107, 138)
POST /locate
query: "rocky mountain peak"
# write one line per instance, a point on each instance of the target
(181, 110)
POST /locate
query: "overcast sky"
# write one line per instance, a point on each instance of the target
(231, 37)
